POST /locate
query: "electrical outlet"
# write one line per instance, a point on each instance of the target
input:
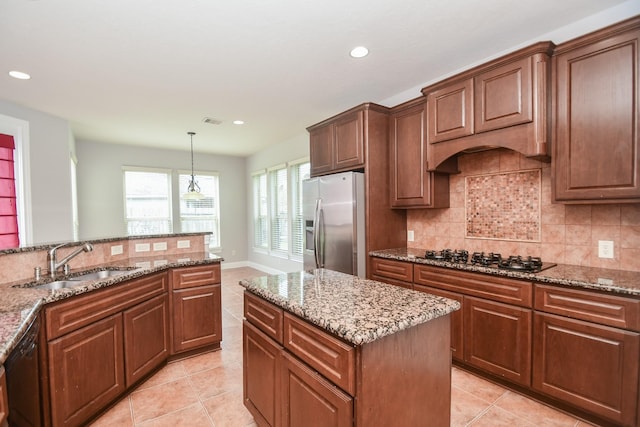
(605, 248)
(410, 236)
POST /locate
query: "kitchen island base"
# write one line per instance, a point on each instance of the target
(297, 374)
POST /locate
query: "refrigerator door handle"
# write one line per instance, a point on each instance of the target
(316, 234)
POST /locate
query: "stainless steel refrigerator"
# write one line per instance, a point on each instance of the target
(333, 211)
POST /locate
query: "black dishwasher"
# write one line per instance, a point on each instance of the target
(23, 380)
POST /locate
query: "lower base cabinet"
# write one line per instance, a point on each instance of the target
(86, 371)
(308, 398)
(146, 337)
(591, 366)
(197, 317)
(498, 339)
(261, 359)
(296, 374)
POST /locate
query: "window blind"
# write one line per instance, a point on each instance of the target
(299, 172)
(279, 209)
(9, 237)
(147, 202)
(204, 214)
(260, 212)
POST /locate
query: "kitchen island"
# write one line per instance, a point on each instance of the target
(342, 350)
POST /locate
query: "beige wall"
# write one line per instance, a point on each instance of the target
(569, 233)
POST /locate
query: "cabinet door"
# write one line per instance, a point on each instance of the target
(261, 360)
(597, 157)
(146, 338)
(349, 142)
(451, 111)
(457, 337)
(86, 371)
(197, 317)
(321, 149)
(502, 96)
(309, 399)
(590, 366)
(497, 339)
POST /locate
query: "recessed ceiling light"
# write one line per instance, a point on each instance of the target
(19, 75)
(359, 52)
(238, 122)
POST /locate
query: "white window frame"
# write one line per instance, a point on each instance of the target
(294, 195)
(213, 247)
(271, 206)
(256, 210)
(294, 191)
(167, 172)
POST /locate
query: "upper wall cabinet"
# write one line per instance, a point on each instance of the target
(338, 144)
(412, 186)
(503, 103)
(596, 154)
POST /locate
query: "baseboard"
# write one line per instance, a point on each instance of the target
(240, 264)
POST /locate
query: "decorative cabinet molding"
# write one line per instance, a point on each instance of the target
(503, 103)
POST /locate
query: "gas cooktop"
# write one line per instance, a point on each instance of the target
(526, 264)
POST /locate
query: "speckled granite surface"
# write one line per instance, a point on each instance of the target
(20, 302)
(601, 279)
(357, 310)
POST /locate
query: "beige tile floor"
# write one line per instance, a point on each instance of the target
(206, 390)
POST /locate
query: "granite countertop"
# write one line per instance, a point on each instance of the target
(601, 279)
(354, 309)
(20, 302)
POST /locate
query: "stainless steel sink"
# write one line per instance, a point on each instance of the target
(81, 279)
(101, 274)
(60, 284)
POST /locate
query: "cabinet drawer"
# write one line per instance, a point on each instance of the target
(391, 269)
(332, 358)
(82, 310)
(263, 315)
(608, 310)
(494, 288)
(200, 275)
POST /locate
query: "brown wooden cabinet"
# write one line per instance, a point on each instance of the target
(497, 339)
(146, 337)
(307, 396)
(86, 371)
(596, 152)
(492, 331)
(457, 319)
(451, 111)
(412, 186)
(337, 145)
(102, 342)
(4, 404)
(196, 307)
(503, 103)
(391, 271)
(586, 350)
(296, 373)
(261, 360)
(587, 365)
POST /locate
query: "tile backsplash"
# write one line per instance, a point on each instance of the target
(566, 234)
(504, 206)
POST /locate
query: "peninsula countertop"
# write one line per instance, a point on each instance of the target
(355, 309)
(20, 302)
(621, 282)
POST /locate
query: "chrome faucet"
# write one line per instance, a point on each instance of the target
(54, 264)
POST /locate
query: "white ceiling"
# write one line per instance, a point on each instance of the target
(144, 72)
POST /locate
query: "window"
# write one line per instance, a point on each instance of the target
(279, 212)
(260, 224)
(9, 237)
(277, 203)
(299, 172)
(201, 215)
(147, 201)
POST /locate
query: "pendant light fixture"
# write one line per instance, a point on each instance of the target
(193, 191)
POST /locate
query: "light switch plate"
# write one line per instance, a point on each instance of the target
(160, 246)
(183, 244)
(410, 235)
(605, 248)
(116, 250)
